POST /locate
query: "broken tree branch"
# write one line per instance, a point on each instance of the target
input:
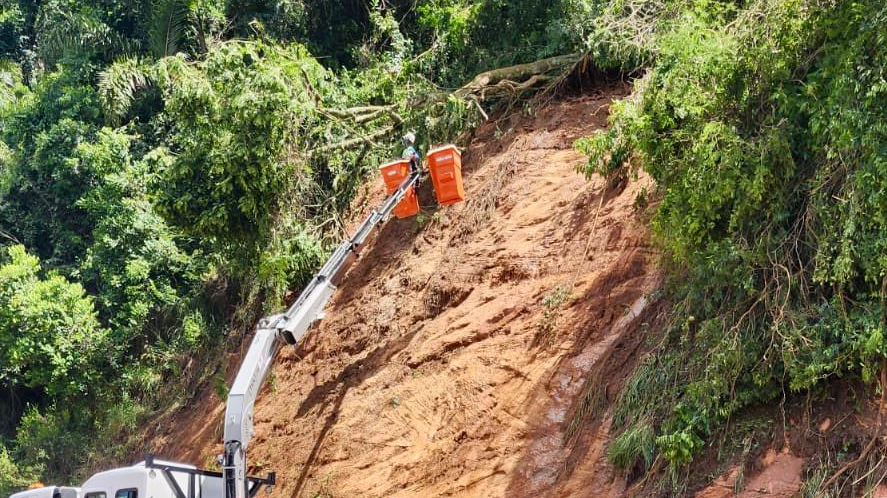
(506, 81)
(365, 114)
(368, 139)
(518, 73)
(354, 112)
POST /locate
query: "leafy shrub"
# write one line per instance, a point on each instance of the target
(57, 441)
(50, 338)
(12, 89)
(231, 160)
(762, 128)
(38, 204)
(292, 257)
(12, 26)
(135, 262)
(13, 476)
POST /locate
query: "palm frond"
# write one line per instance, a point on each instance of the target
(168, 22)
(62, 33)
(118, 86)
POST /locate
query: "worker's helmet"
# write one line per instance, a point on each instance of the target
(409, 139)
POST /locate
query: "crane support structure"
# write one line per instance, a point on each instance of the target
(287, 328)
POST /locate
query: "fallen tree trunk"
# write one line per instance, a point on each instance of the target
(365, 114)
(508, 87)
(361, 140)
(516, 75)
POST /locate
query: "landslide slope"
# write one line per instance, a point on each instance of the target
(460, 346)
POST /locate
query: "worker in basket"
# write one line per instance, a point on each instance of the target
(412, 154)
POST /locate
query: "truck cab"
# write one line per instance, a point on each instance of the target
(49, 492)
(153, 479)
(150, 478)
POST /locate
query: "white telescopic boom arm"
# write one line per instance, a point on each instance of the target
(288, 327)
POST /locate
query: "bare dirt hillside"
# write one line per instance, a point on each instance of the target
(459, 349)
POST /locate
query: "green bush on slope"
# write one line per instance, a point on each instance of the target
(764, 131)
(12, 476)
(52, 347)
(50, 338)
(237, 115)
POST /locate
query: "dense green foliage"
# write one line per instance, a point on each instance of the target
(236, 113)
(170, 168)
(51, 337)
(53, 346)
(481, 35)
(12, 476)
(763, 127)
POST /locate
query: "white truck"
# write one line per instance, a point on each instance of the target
(49, 492)
(147, 479)
(161, 479)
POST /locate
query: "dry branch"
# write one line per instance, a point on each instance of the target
(345, 144)
(365, 114)
(354, 112)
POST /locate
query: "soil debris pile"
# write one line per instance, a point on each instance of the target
(462, 349)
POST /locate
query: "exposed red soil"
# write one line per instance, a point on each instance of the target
(779, 476)
(439, 369)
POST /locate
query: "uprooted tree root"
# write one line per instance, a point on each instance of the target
(863, 456)
(882, 407)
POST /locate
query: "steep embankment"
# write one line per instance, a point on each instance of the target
(453, 358)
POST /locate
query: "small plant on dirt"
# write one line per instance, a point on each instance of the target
(324, 489)
(220, 386)
(211, 462)
(529, 110)
(641, 202)
(634, 449)
(421, 221)
(552, 304)
(395, 401)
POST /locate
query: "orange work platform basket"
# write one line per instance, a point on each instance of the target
(445, 165)
(394, 173)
